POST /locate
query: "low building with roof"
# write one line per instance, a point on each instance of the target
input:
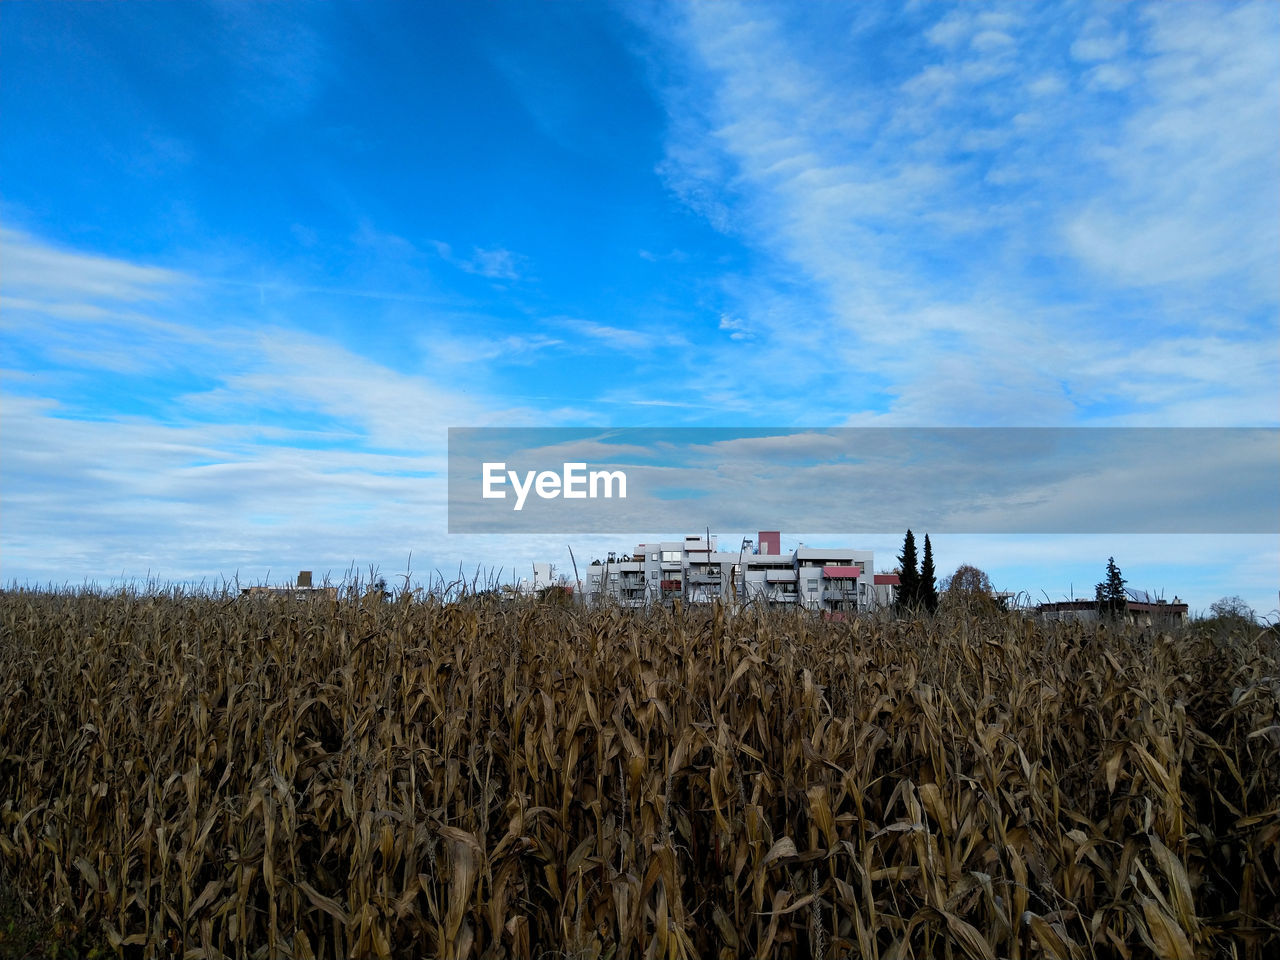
(1141, 607)
(301, 590)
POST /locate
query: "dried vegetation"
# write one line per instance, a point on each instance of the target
(208, 777)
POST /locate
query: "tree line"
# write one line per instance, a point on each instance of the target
(920, 592)
(970, 588)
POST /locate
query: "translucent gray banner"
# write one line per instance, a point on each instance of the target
(865, 480)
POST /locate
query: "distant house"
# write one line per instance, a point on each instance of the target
(302, 590)
(1142, 608)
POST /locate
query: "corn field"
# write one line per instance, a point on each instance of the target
(204, 776)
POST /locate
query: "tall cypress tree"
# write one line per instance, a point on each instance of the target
(928, 579)
(909, 578)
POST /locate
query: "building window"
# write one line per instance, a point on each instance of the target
(670, 556)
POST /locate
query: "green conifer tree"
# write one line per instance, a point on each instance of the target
(909, 577)
(928, 579)
(1110, 594)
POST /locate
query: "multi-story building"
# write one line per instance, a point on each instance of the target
(696, 571)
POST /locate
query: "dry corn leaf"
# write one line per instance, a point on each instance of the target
(1170, 941)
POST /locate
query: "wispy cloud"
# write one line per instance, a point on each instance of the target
(268, 443)
(92, 312)
(965, 231)
(496, 263)
(1191, 188)
(736, 328)
(454, 349)
(300, 375)
(629, 340)
(69, 281)
(132, 496)
(280, 59)
(676, 256)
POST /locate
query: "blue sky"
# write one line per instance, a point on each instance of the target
(256, 259)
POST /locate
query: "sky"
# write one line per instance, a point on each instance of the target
(257, 259)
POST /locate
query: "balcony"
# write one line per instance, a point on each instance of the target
(840, 594)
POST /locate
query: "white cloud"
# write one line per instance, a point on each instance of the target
(94, 313)
(1099, 41)
(298, 451)
(951, 29)
(1108, 76)
(107, 497)
(1194, 173)
(736, 328)
(496, 263)
(295, 371)
(40, 271)
(925, 229)
(453, 350)
(677, 256)
(989, 40)
(622, 338)
(1047, 85)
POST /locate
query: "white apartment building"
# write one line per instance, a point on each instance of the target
(694, 570)
(544, 575)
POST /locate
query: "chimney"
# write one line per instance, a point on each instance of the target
(304, 578)
(770, 542)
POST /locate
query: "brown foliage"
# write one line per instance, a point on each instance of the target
(968, 591)
(347, 779)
